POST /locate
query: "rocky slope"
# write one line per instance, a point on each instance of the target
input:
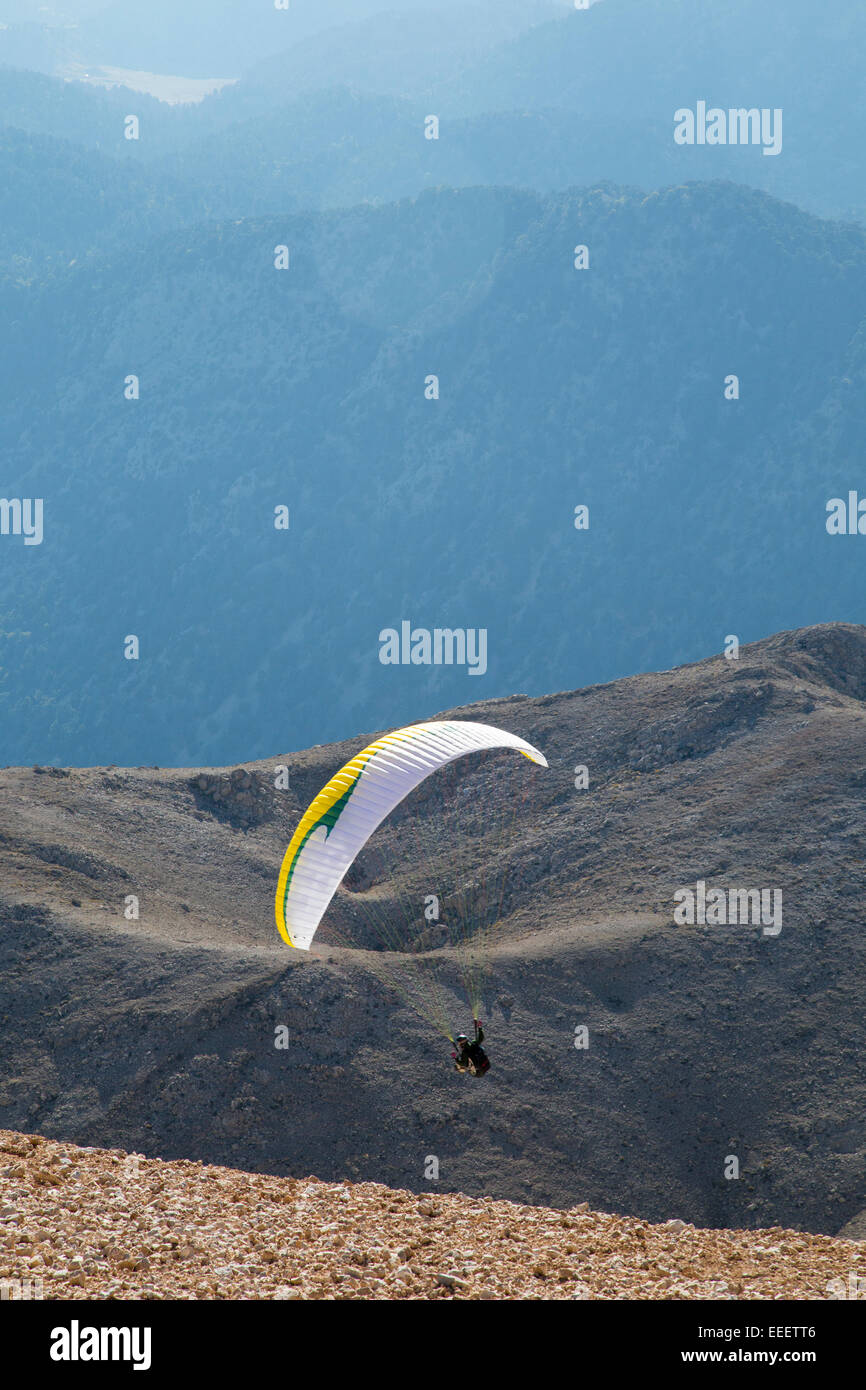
(97, 1223)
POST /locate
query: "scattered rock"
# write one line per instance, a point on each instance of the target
(240, 797)
(204, 1240)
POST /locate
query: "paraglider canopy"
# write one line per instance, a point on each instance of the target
(347, 811)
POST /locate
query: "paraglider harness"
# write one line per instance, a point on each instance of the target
(472, 1057)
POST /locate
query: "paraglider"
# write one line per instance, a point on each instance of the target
(341, 819)
(471, 1057)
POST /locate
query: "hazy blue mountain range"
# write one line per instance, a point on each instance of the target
(621, 70)
(87, 116)
(60, 203)
(407, 54)
(645, 59)
(307, 388)
(220, 38)
(338, 148)
(584, 97)
(412, 258)
(639, 52)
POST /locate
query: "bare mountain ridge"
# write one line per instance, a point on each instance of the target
(705, 1042)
